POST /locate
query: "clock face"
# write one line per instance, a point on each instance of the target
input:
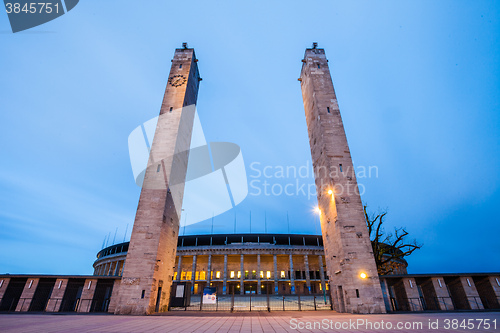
(177, 80)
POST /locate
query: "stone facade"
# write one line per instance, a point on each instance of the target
(349, 257)
(240, 264)
(147, 277)
(49, 293)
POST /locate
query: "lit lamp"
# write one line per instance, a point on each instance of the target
(330, 192)
(363, 275)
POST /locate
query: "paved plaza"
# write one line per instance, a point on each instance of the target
(292, 321)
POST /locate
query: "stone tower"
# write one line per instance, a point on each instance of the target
(148, 272)
(354, 282)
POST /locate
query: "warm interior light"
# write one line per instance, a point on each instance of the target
(362, 275)
(330, 192)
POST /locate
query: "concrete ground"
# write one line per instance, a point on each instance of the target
(314, 321)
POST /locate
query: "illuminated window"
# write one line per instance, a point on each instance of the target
(183, 275)
(261, 274)
(197, 275)
(246, 274)
(282, 274)
(175, 276)
(239, 274)
(203, 275)
(231, 274)
(189, 275)
(217, 275)
(268, 274)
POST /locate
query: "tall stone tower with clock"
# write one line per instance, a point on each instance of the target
(354, 282)
(147, 275)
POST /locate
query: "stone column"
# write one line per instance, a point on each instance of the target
(4, 282)
(443, 298)
(292, 275)
(209, 270)
(348, 250)
(322, 273)
(494, 282)
(258, 275)
(113, 302)
(471, 293)
(242, 275)
(27, 295)
(412, 295)
(117, 268)
(224, 282)
(179, 268)
(54, 303)
(111, 268)
(153, 242)
(308, 278)
(275, 274)
(193, 274)
(87, 295)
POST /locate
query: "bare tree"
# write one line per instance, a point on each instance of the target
(388, 247)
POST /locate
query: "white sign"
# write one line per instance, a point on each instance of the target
(179, 291)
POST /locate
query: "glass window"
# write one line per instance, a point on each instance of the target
(282, 274)
(217, 275)
(231, 275)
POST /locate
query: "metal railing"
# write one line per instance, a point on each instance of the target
(259, 302)
(413, 304)
(79, 304)
(475, 302)
(487, 304)
(444, 301)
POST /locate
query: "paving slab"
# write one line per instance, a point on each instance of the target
(291, 321)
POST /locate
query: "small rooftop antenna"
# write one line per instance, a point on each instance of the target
(315, 45)
(235, 221)
(185, 45)
(265, 222)
(109, 235)
(125, 236)
(288, 221)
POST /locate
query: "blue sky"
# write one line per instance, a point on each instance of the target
(417, 83)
